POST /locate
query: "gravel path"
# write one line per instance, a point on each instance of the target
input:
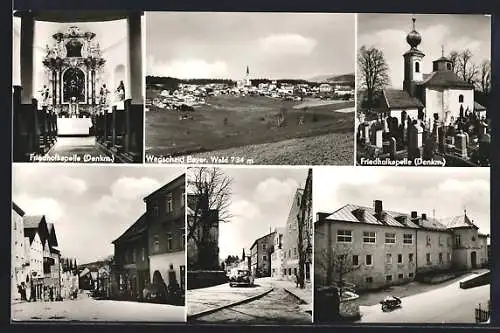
(329, 149)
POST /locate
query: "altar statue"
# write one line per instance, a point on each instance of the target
(104, 94)
(45, 95)
(121, 91)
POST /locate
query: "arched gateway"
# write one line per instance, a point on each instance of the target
(74, 98)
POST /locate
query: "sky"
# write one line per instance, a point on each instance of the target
(89, 205)
(388, 32)
(448, 191)
(272, 45)
(261, 199)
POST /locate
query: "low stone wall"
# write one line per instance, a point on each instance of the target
(439, 278)
(477, 281)
(203, 279)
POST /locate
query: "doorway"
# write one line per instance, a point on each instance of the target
(473, 259)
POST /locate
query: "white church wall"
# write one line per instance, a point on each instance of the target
(434, 101)
(453, 100)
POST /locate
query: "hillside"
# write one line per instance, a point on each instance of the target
(96, 264)
(347, 78)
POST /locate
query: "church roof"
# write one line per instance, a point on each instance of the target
(400, 99)
(478, 107)
(134, 230)
(446, 79)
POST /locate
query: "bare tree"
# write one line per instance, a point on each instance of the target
(374, 72)
(304, 218)
(466, 69)
(454, 61)
(211, 190)
(336, 262)
(485, 77)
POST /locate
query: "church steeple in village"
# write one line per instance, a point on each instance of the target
(413, 61)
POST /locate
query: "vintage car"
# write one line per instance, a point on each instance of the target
(241, 277)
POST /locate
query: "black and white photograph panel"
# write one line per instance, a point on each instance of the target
(250, 88)
(78, 86)
(249, 245)
(402, 245)
(98, 244)
(423, 90)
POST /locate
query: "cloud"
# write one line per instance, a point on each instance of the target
(392, 42)
(187, 68)
(40, 206)
(287, 44)
(272, 189)
(243, 209)
(125, 193)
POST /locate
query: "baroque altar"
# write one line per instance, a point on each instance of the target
(74, 67)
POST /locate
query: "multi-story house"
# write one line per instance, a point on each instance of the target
(131, 261)
(166, 231)
(291, 238)
(34, 251)
(69, 277)
(307, 228)
(205, 234)
(277, 268)
(19, 260)
(373, 248)
(260, 255)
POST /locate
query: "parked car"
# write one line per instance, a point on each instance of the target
(155, 293)
(241, 277)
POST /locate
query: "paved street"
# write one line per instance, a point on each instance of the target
(448, 304)
(88, 309)
(277, 306)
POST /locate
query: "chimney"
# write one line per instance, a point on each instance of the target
(424, 216)
(414, 215)
(377, 205)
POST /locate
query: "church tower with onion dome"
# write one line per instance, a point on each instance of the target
(412, 61)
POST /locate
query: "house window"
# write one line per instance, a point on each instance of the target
(170, 207)
(155, 210)
(344, 236)
(410, 275)
(355, 260)
(294, 251)
(156, 244)
(448, 65)
(369, 279)
(368, 260)
(388, 278)
(295, 271)
(264, 258)
(407, 239)
(460, 98)
(440, 258)
(264, 246)
(289, 271)
(428, 258)
(410, 257)
(284, 272)
(169, 241)
(417, 67)
(400, 258)
(429, 240)
(400, 276)
(369, 237)
(390, 238)
(457, 240)
(388, 258)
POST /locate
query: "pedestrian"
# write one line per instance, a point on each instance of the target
(51, 294)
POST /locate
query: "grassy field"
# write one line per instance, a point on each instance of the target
(231, 121)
